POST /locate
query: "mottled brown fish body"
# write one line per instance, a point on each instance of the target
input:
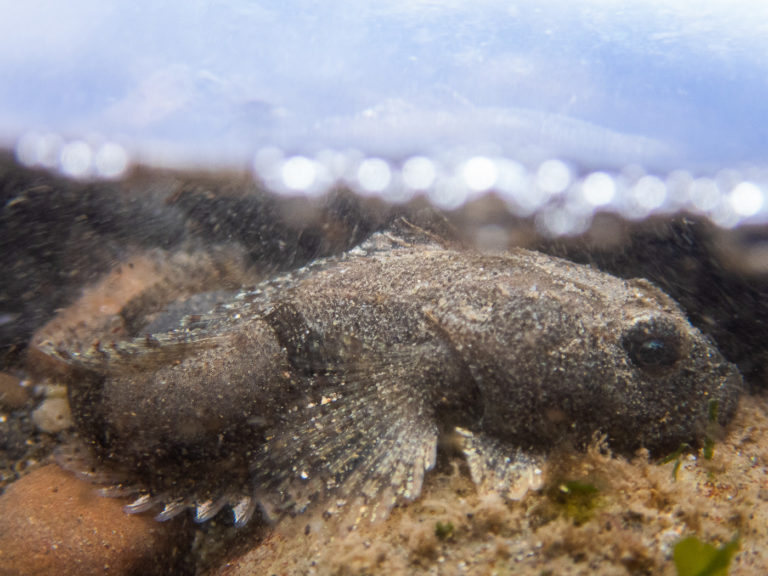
(341, 376)
(539, 335)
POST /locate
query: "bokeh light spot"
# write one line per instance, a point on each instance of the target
(553, 176)
(746, 199)
(598, 189)
(35, 149)
(448, 193)
(110, 160)
(649, 193)
(480, 173)
(76, 159)
(705, 194)
(419, 173)
(299, 173)
(374, 175)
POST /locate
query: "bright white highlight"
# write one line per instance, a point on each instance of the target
(76, 159)
(512, 178)
(111, 160)
(598, 189)
(746, 199)
(480, 174)
(299, 173)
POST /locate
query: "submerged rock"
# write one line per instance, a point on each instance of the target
(51, 522)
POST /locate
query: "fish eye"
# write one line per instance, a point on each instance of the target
(653, 344)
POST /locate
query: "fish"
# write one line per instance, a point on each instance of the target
(333, 386)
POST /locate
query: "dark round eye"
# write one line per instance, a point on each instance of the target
(653, 344)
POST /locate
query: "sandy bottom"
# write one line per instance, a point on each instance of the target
(597, 514)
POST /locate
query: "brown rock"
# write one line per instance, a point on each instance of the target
(53, 523)
(12, 394)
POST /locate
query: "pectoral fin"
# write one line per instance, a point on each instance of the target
(369, 442)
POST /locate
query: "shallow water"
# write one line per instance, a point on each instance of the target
(126, 250)
(159, 162)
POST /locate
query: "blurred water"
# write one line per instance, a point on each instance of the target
(307, 93)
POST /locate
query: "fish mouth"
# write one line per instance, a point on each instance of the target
(730, 390)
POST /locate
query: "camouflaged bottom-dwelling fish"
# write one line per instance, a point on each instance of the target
(340, 378)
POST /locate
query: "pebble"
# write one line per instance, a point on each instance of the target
(53, 523)
(53, 415)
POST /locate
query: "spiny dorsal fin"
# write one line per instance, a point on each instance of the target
(155, 349)
(137, 354)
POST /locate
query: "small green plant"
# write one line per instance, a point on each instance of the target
(444, 530)
(712, 430)
(677, 458)
(712, 433)
(576, 499)
(696, 558)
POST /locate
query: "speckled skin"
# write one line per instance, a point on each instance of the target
(340, 378)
